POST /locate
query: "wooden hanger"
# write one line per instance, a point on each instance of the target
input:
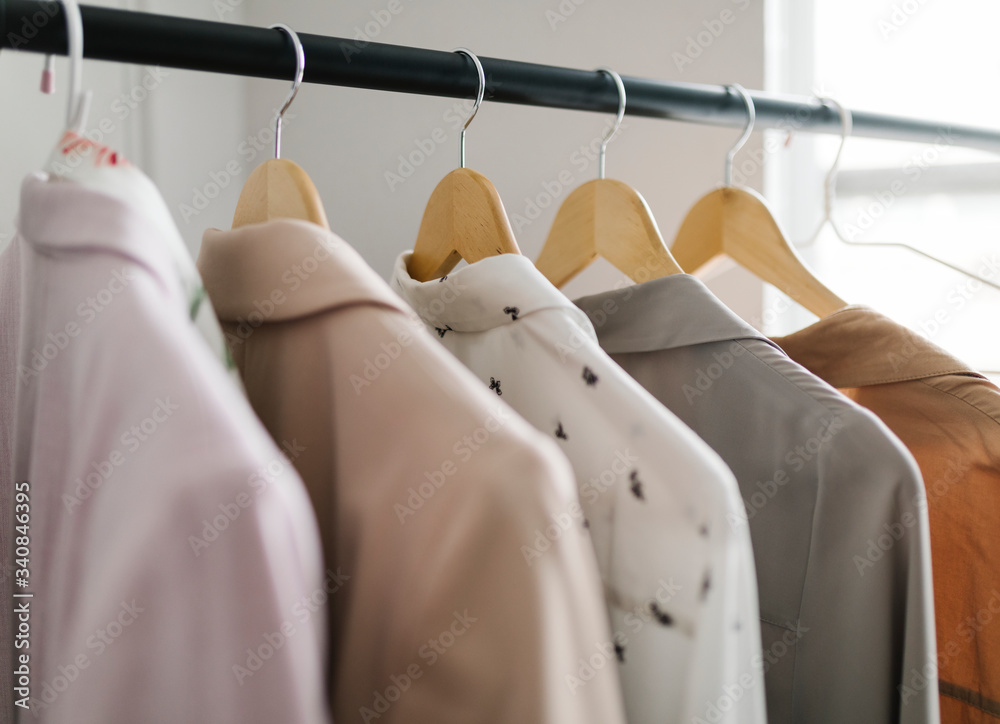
(464, 218)
(279, 188)
(736, 222)
(606, 218)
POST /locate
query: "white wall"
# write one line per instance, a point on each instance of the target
(171, 123)
(348, 139)
(192, 125)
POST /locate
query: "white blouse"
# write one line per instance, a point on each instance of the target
(678, 578)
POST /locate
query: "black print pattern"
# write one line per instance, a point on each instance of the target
(442, 330)
(586, 524)
(620, 652)
(495, 385)
(706, 585)
(589, 377)
(512, 311)
(703, 531)
(662, 617)
(443, 278)
(560, 433)
(636, 485)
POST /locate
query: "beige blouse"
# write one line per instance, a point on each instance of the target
(428, 488)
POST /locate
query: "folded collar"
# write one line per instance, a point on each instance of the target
(285, 269)
(673, 311)
(856, 346)
(61, 215)
(494, 291)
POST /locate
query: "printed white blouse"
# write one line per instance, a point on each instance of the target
(679, 579)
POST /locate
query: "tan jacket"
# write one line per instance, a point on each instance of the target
(426, 485)
(949, 418)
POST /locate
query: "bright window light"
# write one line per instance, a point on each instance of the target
(923, 58)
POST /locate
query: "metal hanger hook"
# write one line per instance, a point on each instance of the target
(300, 69)
(618, 118)
(751, 119)
(830, 183)
(829, 195)
(846, 129)
(479, 100)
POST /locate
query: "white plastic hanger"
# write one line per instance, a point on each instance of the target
(608, 218)
(77, 101)
(830, 193)
(77, 159)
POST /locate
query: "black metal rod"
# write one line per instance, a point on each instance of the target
(148, 39)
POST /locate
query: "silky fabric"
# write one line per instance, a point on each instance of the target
(678, 578)
(949, 417)
(169, 536)
(426, 486)
(824, 484)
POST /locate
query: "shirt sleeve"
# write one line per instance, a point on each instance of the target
(870, 578)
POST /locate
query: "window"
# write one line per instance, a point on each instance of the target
(922, 58)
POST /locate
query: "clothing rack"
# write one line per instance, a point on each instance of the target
(145, 38)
